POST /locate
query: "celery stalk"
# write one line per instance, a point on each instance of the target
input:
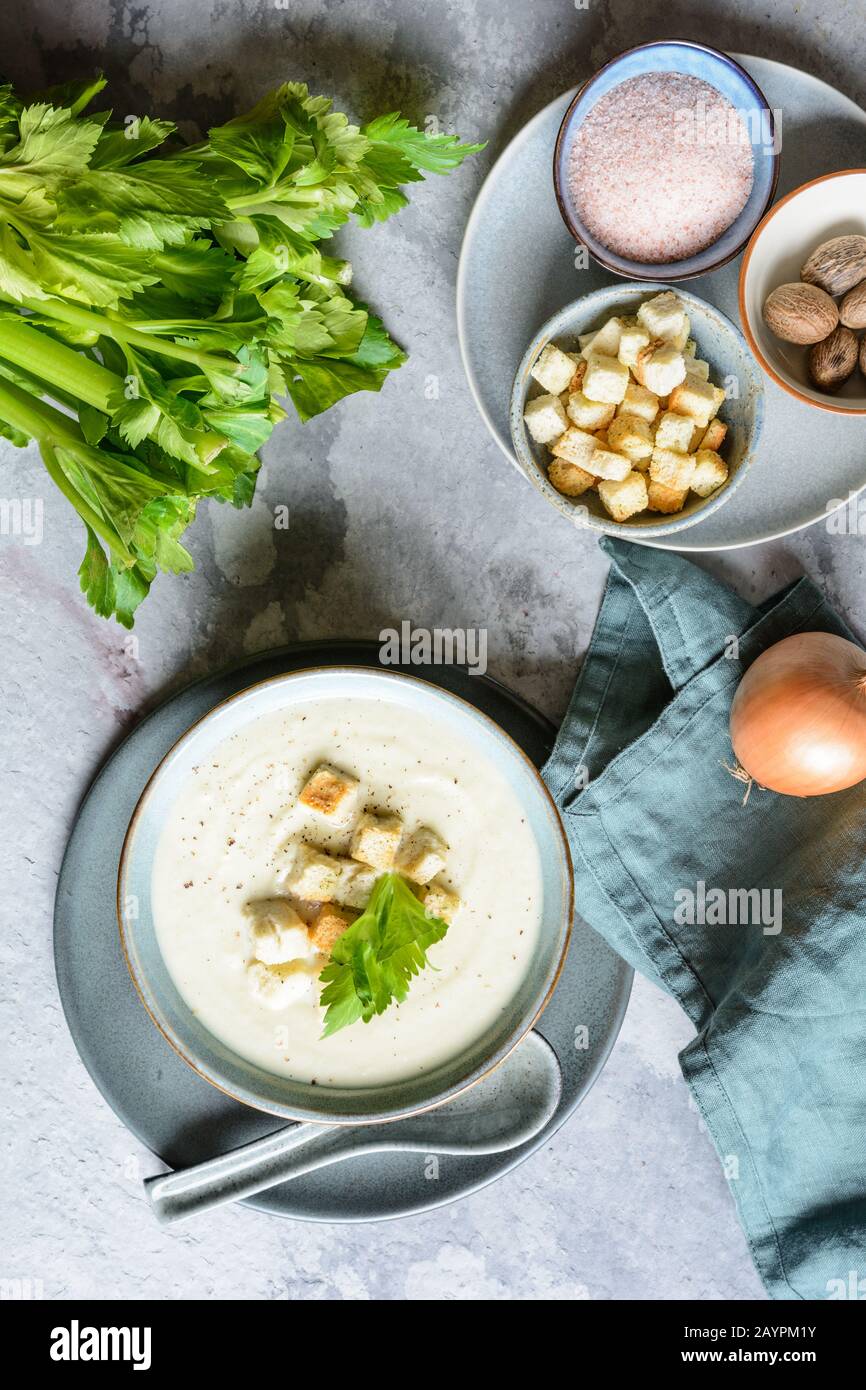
(123, 332)
(60, 366)
(46, 425)
(50, 428)
(71, 374)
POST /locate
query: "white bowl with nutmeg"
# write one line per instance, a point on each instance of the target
(803, 293)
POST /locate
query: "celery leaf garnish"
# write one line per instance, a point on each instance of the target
(373, 963)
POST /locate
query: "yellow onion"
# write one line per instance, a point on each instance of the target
(798, 720)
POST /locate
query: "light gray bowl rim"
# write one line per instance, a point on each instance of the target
(557, 326)
(531, 1013)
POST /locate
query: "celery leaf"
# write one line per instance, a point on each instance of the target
(375, 960)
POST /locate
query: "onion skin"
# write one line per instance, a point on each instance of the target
(798, 719)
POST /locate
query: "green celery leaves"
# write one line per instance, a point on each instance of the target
(171, 292)
(373, 963)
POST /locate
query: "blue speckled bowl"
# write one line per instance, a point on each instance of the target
(721, 72)
(719, 342)
(213, 1059)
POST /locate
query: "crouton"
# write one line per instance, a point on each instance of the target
(439, 901)
(609, 465)
(606, 341)
(545, 418)
(680, 340)
(330, 793)
(624, 497)
(422, 855)
(674, 432)
(328, 926)
(663, 316)
(630, 435)
(660, 369)
(376, 840)
(553, 369)
(640, 402)
(278, 986)
(638, 368)
(575, 446)
(697, 399)
(695, 366)
(314, 875)
(697, 436)
(277, 933)
(569, 478)
(356, 885)
(631, 342)
(710, 472)
(577, 380)
(606, 379)
(672, 468)
(666, 499)
(714, 437)
(587, 414)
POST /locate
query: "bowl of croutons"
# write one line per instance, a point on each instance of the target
(637, 410)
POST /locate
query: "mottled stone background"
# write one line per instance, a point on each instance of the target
(401, 507)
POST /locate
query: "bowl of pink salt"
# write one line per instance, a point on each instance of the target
(666, 161)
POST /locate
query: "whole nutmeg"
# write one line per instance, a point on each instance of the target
(832, 362)
(852, 310)
(837, 265)
(800, 313)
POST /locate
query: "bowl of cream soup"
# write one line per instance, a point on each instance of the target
(227, 855)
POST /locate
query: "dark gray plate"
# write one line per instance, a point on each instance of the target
(183, 1119)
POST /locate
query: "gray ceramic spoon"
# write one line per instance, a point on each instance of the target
(507, 1109)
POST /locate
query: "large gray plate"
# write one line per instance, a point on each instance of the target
(517, 270)
(173, 1111)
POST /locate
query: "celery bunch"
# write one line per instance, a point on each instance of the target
(157, 299)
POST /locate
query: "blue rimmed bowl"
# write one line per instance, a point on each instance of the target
(213, 1059)
(734, 83)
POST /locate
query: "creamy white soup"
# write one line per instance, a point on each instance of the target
(229, 840)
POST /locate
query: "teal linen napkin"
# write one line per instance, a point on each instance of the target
(657, 827)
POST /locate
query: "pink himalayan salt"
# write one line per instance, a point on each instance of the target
(661, 167)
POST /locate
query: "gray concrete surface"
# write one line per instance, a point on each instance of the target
(402, 507)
